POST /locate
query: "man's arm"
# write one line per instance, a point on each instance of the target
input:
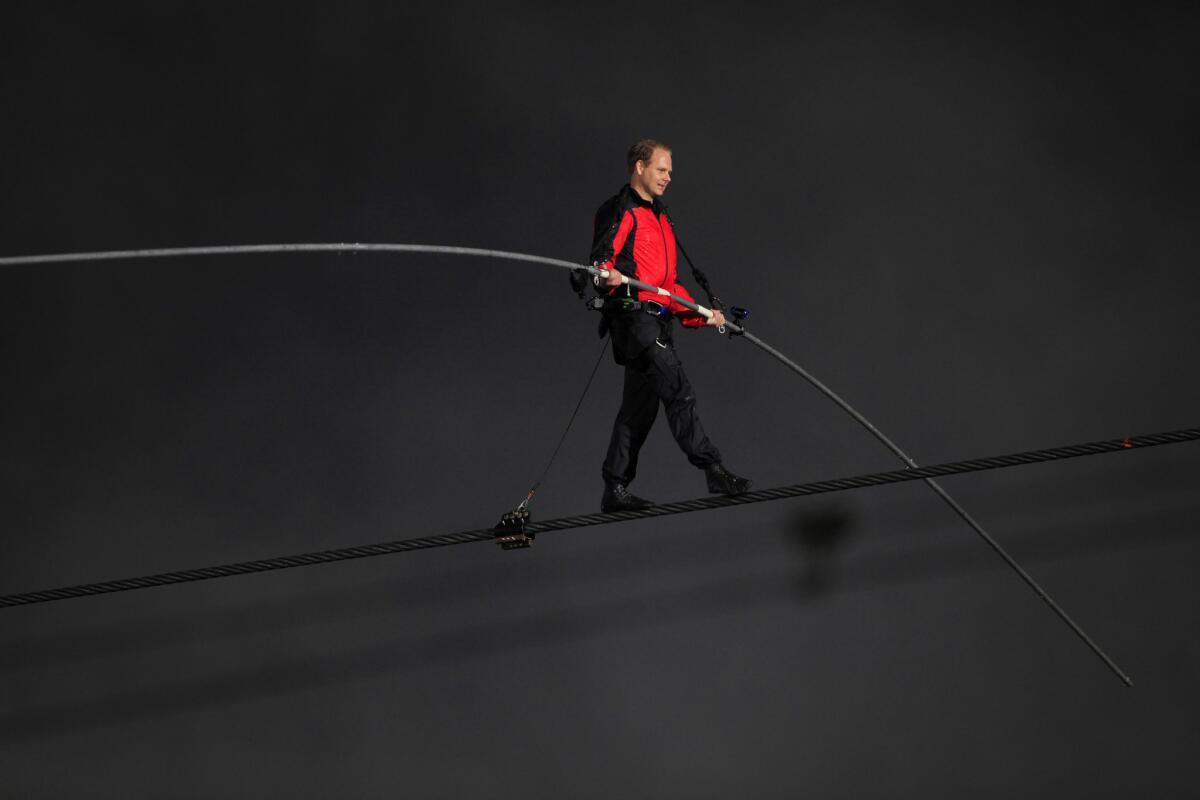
(687, 317)
(610, 230)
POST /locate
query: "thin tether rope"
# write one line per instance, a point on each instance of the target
(599, 273)
(587, 520)
(579, 404)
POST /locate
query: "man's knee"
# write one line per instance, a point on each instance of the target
(681, 402)
(666, 373)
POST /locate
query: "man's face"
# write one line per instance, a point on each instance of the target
(653, 174)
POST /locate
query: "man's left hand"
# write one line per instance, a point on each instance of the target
(717, 320)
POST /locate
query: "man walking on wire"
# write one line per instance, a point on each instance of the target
(633, 236)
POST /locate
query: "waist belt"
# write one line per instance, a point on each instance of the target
(646, 306)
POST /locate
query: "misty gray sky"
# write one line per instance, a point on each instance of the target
(976, 225)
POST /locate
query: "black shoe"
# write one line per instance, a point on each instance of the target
(722, 481)
(617, 498)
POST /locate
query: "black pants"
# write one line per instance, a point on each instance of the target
(653, 375)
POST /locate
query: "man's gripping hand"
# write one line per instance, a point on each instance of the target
(613, 279)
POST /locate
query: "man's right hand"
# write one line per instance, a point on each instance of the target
(613, 279)
(717, 320)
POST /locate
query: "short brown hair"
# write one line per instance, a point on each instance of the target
(641, 151)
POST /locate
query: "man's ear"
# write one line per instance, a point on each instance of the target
(640, 167)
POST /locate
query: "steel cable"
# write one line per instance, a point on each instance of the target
(587, 520)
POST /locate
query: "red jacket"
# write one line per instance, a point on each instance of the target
(635, 236)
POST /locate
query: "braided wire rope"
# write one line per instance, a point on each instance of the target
(587, 520)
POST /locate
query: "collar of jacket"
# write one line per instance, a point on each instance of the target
(630, 199)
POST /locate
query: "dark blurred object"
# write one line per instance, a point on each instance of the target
(818, 534)
(511, 533)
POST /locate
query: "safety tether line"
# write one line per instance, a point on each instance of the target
(586, 520)
(598, 273)
(578, 404)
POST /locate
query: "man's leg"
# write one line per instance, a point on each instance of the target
(639, 407)
(664, 372)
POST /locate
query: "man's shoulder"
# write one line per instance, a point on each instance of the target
(618, 202)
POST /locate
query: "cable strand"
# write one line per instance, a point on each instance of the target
(589, 520)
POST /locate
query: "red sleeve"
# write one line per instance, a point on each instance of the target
(686, 316)
(618, 241)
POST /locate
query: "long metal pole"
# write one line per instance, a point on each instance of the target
(601, 274)
(908, 461)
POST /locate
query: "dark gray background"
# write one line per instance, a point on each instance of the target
(978, 226)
